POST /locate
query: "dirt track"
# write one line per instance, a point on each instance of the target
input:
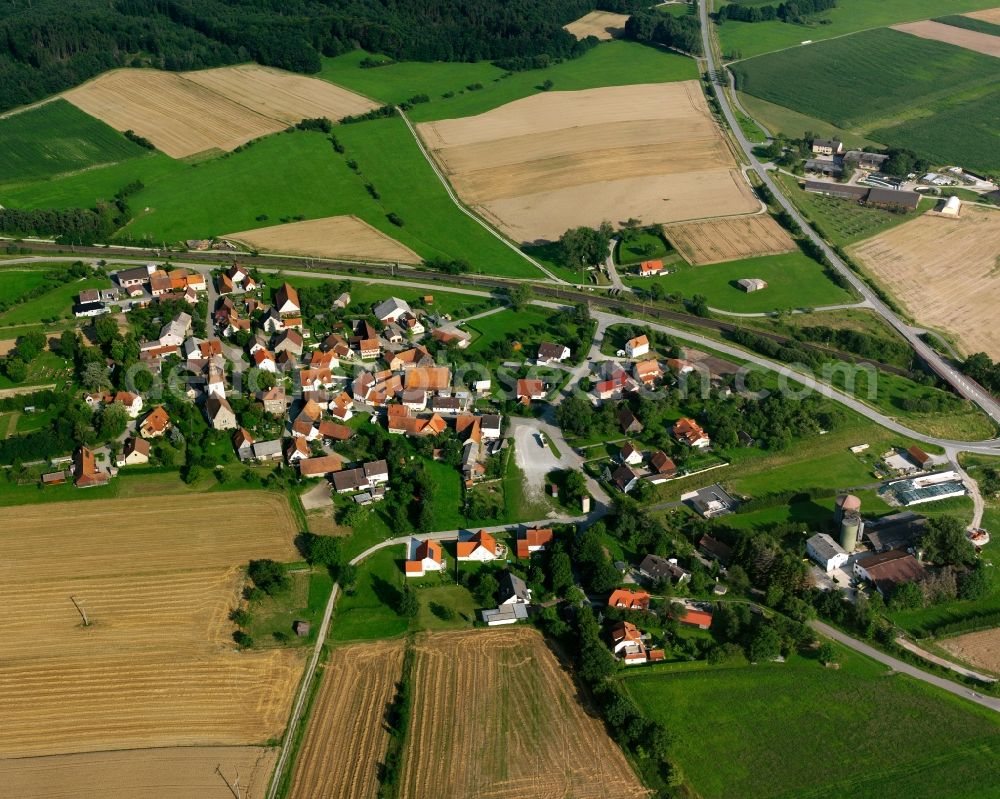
(539, 165)
(332, 237)
(945, 272)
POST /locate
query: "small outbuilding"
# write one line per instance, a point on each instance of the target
(750, 284)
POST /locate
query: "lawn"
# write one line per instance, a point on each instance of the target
(52, 305)
(616, 63)
(292, 175)
(842, 222)
(369, 612)
(509, 324)
(750, 39)
(641, 246)
(15, 282)
(801, 730)
(793, 281)
(46, 369)
(875, 75)
(368, 294)
(57, 137)
(304, 600)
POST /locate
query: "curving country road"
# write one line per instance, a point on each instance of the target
(963, 385)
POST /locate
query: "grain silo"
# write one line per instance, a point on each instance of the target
(851, 528)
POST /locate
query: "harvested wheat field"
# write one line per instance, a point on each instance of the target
(333, 237)
(603, 25)
(981, 649)
(187, 772)
(537, 166)
(156, 666)
(346, 739)
(718, 240)
(988, 15)
(184, 113)
(949, 34)
(945, 271)
(494, 715)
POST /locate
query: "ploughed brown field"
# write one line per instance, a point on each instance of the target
(184, 113)
(980, 649)
(494, 715)
(345, 740)
(988, 15)
(949, 34)
(180, 772)
(556, 160)
(157, 666)
(945, 271)
(603, 25)
(718, 240)
(332, 237)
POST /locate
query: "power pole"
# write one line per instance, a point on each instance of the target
(233, 788)
(82, 611)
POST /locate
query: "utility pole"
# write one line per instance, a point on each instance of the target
(82, 611)
(234, 788)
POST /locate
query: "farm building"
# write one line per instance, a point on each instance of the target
(826, 552)
(892, 198)
(827, 146)
(832, 169)
(840, 190)
(750, 284)
(926, 488)
(952, 207)
(889, 569)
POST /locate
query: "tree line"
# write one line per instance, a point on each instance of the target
(792, 11)
(44, 49)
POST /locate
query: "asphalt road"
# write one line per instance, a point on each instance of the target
(963, 385)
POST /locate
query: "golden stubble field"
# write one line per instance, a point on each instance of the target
(603, 25)
(182, 772)
(717, 240)
(980, 649)
(345, 740)
(332, 237)
(157, 666)
(494, 715)
(556, 160)
(945, 271)
(184, 113)
(949, 34)
(988, 15)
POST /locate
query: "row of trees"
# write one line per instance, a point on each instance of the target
(652, 27)
(791, 11)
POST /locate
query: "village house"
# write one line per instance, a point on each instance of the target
(630, 454)
(173, 333)
(156, 423)
(481, 547)
(827, 147)
(447, 405)
(627, 643)
(689, 432)
(635, 347)
(625, 478)
(289, 341)
(334, 431)
(531, 540)
(388, 311)
(220, 413)
(528, 390)
(296, 449)
(647, 372)
(714, 549)
(370, 349)
(409, 359)
(86, 472)
(267, 450)
(134, 453)
(139, 276)
(886, 570)
(451, 337)
(627, 599)
(342, 302)
(264, 360)
(702, 619)
(323, 465)
(490, 426)
(427, 557)
(657, 569)
(514, 598)
(132, 403)
(434, 378)
(273, 400)
(551, 353)
(650, 268)
(661, 467)
(613, 386)
(286, 301)
(627, 421)
(243, 444)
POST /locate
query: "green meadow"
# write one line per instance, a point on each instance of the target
(750, 39)
(616, 63)
(57, 137)
(797, 729)
(793, 281)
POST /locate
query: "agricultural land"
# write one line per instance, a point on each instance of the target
(333, 237)
(969, 40)
(346, 738)
(944, 272)
(603, 25)
(991, 15)
(653, 134)
(758, 731)
(515, 727)
(729, 239)
(156, 589)
(219, 109)
(979, 649)
(181, 772)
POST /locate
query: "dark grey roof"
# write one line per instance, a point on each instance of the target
(656, 568)
(512, 587)
(907, 199)
(824, 546)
